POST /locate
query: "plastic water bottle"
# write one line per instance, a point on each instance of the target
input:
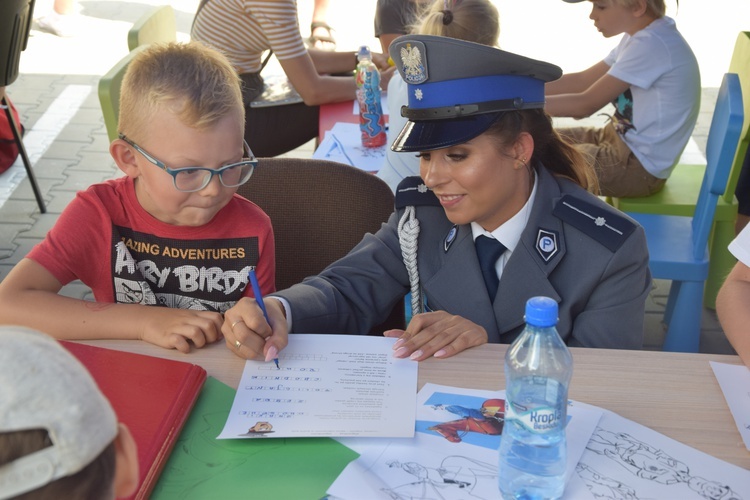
(371, 119)
(538, 367)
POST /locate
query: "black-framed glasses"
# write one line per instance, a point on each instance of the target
(192, 179)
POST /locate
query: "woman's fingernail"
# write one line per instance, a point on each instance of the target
(440, 353)
(272, 353)
(400, 353)
(397, 343)
(416, 354)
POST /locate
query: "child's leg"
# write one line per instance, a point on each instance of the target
(619, 172)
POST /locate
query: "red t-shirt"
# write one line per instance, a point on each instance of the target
(108, 241)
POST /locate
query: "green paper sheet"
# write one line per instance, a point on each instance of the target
(202, 467)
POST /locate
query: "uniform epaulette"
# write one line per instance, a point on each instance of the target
(412, 192)
(608, 228)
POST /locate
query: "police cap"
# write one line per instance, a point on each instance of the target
(457, 88)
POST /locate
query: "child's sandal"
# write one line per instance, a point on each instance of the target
(328, 42)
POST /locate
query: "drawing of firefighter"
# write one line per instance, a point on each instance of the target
(486, 420)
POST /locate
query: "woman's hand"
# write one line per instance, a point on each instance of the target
(385, 77)
(381, 61)
(176, 328)
(249, 335)
(437, 334)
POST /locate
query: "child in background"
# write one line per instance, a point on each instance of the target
(171, 234)
(59, 437)
(472, 20)
(652, 78)
(394, 18)
(734, 297)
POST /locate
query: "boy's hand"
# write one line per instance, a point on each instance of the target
(174, 328)
(248, 334)
(436, 334)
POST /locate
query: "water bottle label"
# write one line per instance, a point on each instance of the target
(538, 420)
(371, 111)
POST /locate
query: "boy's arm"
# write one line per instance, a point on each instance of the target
(29, 297)
(573, 83)
(584, 103)
(733, 308)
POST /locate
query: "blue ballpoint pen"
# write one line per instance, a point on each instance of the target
(259, 299)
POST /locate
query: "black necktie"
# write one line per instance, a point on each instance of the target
(488, 251)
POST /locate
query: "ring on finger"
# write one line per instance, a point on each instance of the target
(237, 344)
(235, 323)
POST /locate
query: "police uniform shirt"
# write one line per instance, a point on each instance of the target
(598, 275)
(509, 233)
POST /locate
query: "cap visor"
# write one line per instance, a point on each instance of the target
(437, 134)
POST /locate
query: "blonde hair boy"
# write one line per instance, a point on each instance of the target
(196, 83)
(652, 79)
(172, 234)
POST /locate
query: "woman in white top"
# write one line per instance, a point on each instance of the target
(244, 30)
(472, 20)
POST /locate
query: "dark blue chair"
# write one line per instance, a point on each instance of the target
(678, 245)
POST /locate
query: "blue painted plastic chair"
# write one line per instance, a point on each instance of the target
(678, 245)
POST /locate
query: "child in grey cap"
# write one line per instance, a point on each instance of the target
(59, 437)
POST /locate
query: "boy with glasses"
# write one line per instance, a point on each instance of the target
(171, 232)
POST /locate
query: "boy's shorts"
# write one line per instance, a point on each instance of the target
(619, 172)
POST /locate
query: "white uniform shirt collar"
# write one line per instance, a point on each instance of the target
(510, 232)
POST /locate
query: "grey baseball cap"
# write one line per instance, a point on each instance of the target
(43, 386)
(457, 89)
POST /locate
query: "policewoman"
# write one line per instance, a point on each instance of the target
(499, 214)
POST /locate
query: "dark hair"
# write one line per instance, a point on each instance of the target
(550, 149)
(93, 481)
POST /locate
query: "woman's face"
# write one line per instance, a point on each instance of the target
(477, 182)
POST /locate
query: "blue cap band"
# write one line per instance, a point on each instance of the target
(479, 89)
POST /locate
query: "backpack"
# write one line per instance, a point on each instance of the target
(8, 146)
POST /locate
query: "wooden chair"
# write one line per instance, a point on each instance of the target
(319, 210)
(109, 92)
(156, 25)
(680, 193)
(15, 23)
(678, 244)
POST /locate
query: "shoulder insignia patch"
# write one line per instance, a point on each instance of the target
(608, 228)
(412, 192)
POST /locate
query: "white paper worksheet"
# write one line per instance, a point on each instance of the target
(454, 453)
(327, 385)
(734, 381)
(343, 144)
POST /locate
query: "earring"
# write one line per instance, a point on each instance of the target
(523, 162)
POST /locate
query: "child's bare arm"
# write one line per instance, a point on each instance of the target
(734, 313)
(574, 83)
(29, 296)
(588, 102)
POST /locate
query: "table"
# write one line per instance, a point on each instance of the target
(332, 113)
(337, 112)
(675, 394)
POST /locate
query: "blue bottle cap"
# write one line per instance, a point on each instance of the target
(541, 311)
(364, 51)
